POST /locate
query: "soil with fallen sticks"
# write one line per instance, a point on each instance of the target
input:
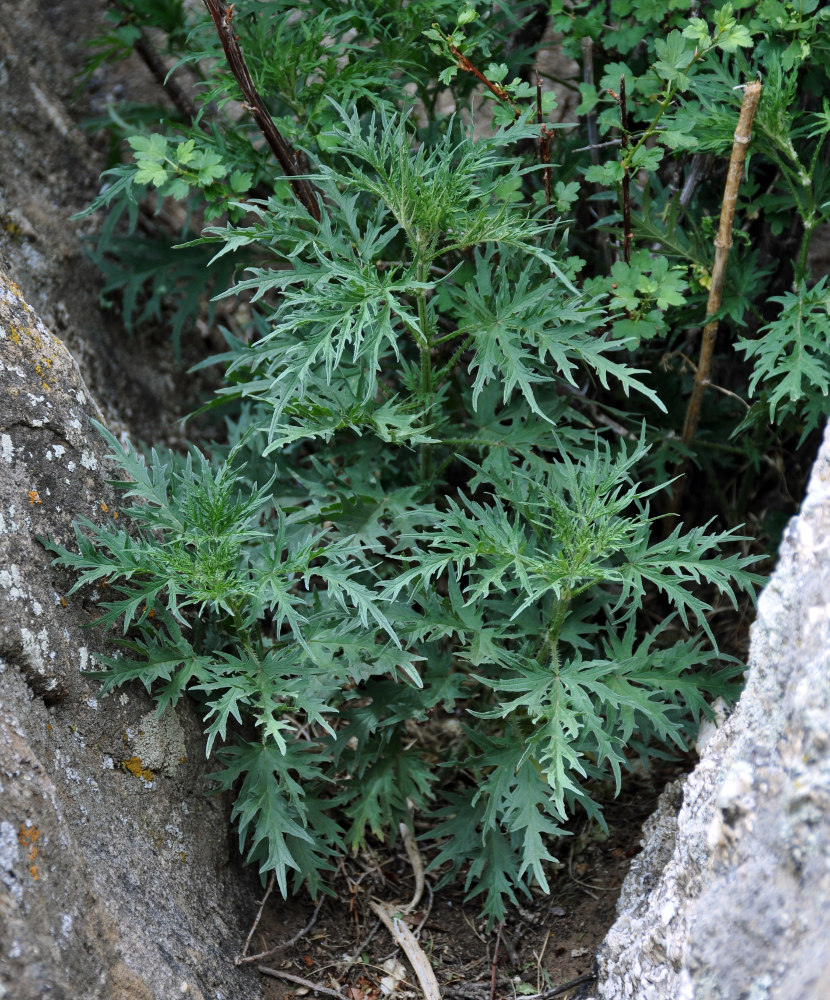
(546, 946)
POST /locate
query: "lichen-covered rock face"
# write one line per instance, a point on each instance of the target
(114, 862)
(730, 897)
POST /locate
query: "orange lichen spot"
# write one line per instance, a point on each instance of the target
(27, 837)
(135, 767)
(34, 497)
(104, 583)
(182, 760)
(183, 856)
(151, 613)
(104, 507)
(115, 514)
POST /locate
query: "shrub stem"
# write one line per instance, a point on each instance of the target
(723, 241)
(286, 156)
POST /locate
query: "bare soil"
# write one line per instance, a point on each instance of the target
(546, 943)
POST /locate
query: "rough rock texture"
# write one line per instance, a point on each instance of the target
(115, 880)
(730, 897)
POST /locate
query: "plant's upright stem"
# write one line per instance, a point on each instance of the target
(549, 640)
(426, 391)
(809, 215)
(425, 349)
(803, 251)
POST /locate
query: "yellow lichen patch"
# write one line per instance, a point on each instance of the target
(13, 228)
(27, 837)
(104, 507)
(38, 346)
(34, 497)
(134, 766)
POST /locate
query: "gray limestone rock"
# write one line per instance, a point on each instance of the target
(730, 897)
(116, 878)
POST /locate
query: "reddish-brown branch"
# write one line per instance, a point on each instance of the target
(626, 180)
(153, 61)
(468, 67)
(286, 156)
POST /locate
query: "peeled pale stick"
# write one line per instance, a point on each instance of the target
(406, 940)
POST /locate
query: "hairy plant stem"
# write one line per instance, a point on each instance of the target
(549, 640)
(810, 215)
(799, 182)
(243, 635)
(450, 365)
(425, 348)
(803, 251)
